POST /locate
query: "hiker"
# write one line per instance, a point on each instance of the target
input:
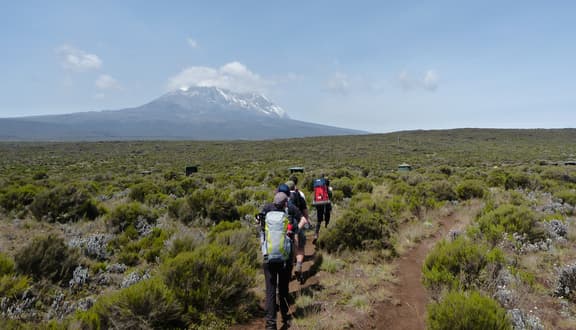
(297, 198)
(322, 196)
(277, 263)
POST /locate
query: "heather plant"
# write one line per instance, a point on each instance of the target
(148, 304)
(567, 196)
(510, 219)
(16, 198)
(6, 264)
(140, 191)
(469, 189)
(467, 310)
(130, 215)
(457, 264)
(47, 257)
(211, 280)
(358, 229)
(64, 203)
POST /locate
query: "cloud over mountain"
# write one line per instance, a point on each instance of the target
(233, 76)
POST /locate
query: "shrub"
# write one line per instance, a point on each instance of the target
(510, 219)
(455, 264)
(64, 204)
(139, 191)
(6, 265)
(240, 239)
(518, 180)
(469, 189)
(211, 280)
(220, 210)
(148, 304)
(461, 310)
(567, 196)
(47, 258)
(363, 186)
(148, 247)
(129, 216)
(17, 198)
(12, 286)
(442, 190)
(358, 229)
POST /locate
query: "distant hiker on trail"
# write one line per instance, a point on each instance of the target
(299, 200)
(279, 220)
(322, 196)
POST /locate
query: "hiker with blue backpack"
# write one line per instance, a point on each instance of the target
(279, 221)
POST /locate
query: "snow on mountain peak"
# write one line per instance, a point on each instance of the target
(252, 102)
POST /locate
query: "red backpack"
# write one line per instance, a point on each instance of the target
(320, 192)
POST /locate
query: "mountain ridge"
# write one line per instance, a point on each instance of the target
(198, 113)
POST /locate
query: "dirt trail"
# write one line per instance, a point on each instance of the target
(407, 310)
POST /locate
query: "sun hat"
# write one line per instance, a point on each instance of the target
(280, 198)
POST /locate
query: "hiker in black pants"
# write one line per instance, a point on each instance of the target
(277, 274)
(323, 213)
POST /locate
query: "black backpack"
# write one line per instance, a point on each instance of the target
(298, 200)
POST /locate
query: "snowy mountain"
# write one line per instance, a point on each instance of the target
(198, 113)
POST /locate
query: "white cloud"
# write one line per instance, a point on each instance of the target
(191, 42)
(339, 83)
(429, 81)
(77, 59)
(106, 82)
(234, 76)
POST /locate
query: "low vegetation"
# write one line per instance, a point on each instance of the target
(114, 233)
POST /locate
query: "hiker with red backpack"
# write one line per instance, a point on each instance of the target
(279, 220)
(299, 200)
(322, 196)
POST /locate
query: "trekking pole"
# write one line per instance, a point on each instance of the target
(291, 312)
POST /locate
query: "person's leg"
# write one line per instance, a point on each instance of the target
(300, 254)
(283, 284)
(320, 217)
(271, 277)
(327, 214)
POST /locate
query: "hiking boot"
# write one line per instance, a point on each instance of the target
(300, 276)
(286, 322)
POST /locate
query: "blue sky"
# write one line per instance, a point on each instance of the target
(379, 66)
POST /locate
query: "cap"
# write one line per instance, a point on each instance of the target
(284, 189)
(280, 198)
(291, 185)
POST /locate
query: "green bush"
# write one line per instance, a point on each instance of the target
(469, 189)
(47, 257)
(510, 219)
(211, 280)
(241, 239)
(17, 198)
(139, 191)
(456, 264)
(466, 311)
(6, 265)
(149, 248)
(148, 304)
(64, 204)
(127, 216)
(567, 196)
(357, 229)
(13, 286)
(363, 185)
(442, 190)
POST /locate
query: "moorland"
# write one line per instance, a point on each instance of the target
(98, 235)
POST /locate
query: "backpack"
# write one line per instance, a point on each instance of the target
(297, 200)
(276, 245)
(321, 193)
